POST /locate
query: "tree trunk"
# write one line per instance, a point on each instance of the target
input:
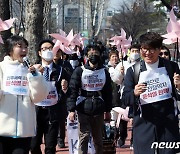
(34, 26)
(4, 15)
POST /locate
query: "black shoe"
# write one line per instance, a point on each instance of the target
(61, 144)
(121, 142)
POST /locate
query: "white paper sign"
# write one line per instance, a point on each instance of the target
(73, 138)
(15, 80)
(93, 80)
(158, 85)
(52, 97)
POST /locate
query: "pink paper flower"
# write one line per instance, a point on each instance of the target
(66, 43)
(5, 25)
(173, 30)
(121, 42)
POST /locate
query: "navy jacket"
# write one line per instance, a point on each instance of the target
(158, 121)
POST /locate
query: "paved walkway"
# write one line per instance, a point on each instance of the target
(124, 150)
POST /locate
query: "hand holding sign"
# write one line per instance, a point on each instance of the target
(177, 80)
(71, 116)
(64, 85)
(140, 88)
(39, 67)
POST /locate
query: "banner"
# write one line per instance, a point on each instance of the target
(158, 85)
(73, 138)
(15, 80)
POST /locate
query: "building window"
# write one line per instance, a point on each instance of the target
(73, 12)
(109, 13)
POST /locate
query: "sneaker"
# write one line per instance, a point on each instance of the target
(61, 144)
(131, 147)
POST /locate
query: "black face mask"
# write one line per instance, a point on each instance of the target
(94, 59)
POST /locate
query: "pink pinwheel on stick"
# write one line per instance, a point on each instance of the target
(66, 43)
(173, 32)
(61, 43)
(5, 25)
(122, 43)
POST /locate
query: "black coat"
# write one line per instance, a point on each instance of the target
(55, 110)
(89, 106)
(158, 122)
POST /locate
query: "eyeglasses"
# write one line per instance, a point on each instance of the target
(164, 53)
(143, 50)
(46, 48)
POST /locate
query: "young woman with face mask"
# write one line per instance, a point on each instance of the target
(90, 83)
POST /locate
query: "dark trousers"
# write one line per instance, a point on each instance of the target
(62, 130)
(93, 125)
(62, 121)
(15, 145)
(123, 129)
(49, 129)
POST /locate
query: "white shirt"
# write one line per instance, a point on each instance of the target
(152, 66)
(49, 66)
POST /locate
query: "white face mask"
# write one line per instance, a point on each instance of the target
(74, 63)
(134, 56)
(47, 55)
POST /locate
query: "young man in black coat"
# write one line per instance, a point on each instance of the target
(49, 110)
(91, 97)
(150, 87)
(58, 59)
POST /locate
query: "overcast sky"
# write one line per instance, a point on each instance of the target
(115, 4)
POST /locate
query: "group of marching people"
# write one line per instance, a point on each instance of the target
(36, 100)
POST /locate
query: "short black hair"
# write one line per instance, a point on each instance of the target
(12, 41)
(93, 47)
(137, 46)
(45, 41)
(151, 39)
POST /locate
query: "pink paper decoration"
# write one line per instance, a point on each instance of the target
(5, 25)
(121, 42)
(67, 43)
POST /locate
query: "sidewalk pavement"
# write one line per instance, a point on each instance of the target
(123, 150)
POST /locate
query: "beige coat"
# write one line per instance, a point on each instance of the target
(17, 112)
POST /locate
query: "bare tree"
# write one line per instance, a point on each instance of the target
(4, 15)
(17, 10)
(47, 17)
(136, 20)
(96, 12)
(169, 4)
(34, 26)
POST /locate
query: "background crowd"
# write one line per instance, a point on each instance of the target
(95, 85)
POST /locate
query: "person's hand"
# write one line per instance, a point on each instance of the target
(177, 80)
(139, 89)
(64, 85)
(32, 68)
(122, 69)
(71, 116)
(40, 68)
(107, 116)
